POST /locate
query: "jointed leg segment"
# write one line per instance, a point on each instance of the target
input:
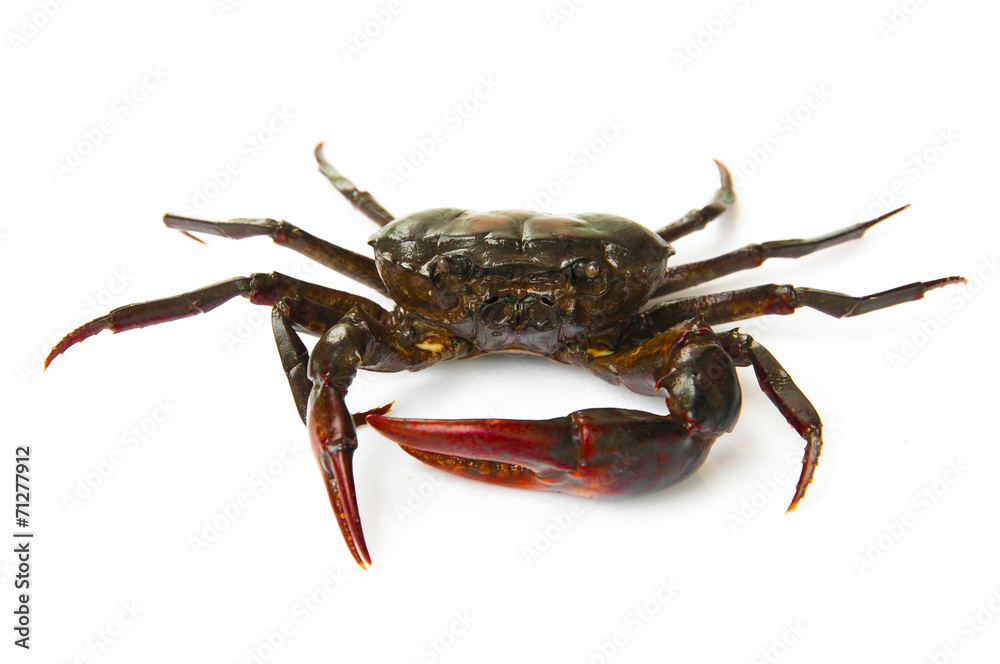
(695, 220)
(751, 256)
(354, 265)
(295, 362)
(357, 339)
(322, 306)
(785, 395)
(729, 306)
(362, 200)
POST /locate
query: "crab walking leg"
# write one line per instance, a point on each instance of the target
(729, 306)
(599, 452)
(754, 255)
(344, 261)
(317, 307)
(362, 200)
(294, 359)
(695, 220)
(775, 382)
(295, 362)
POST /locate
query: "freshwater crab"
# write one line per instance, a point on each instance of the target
(573, 288)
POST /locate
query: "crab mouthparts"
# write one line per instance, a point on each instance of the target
(512, 312)
(510, 322)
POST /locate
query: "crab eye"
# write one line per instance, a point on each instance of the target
(451, 272)
(586, 269)
(589, 277)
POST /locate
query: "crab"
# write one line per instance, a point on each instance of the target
(574, 288)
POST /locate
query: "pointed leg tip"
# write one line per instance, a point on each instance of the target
(947, 281)
(891, 213)
(85, 331)
(800, 492)
(318, 154)
(382, 410)
(727, 180)
(941, 283)
(196, 239)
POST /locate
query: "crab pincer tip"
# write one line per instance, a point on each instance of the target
(338, 470)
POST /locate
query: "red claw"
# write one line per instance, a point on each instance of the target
(597, 452)
(333, 439)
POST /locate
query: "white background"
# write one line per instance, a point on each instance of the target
(868, 568)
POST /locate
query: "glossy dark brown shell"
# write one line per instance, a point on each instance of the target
(524, 237)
